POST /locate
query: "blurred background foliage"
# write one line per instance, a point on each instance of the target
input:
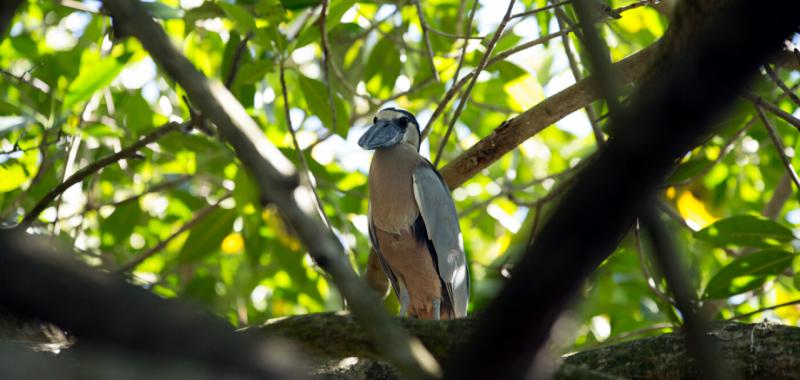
(74, 91)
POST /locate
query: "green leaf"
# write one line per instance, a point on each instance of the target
(93, 78)
(254, 71)
(162, 11)
(687, 171)
(242, 19)
(747, 273)
(745, 230)
(136, 114)
(316, 95)
(298, 4)
(384, 63)
(207, 236)
(120, 224)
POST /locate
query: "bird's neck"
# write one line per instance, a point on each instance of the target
(391, 191)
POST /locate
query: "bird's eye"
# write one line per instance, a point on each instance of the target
(375, 120)
(404, 121)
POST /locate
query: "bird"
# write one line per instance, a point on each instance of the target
(413, 224)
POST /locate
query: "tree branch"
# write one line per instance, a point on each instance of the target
(163, 243)
(99, 308)
(92, 168)
(277, 180)
(513, 132)
(706, 57)
(482, 65)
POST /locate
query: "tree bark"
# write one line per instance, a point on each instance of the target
(753, 351)
(708, 55)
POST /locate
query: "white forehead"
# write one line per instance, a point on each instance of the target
(388, 114)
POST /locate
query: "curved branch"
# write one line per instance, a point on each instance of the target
(515, 131)
(94, 167)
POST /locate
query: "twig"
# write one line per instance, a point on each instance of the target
(237, 59)
(461, 82)
(465, 96)
(94, 167)
(635, 5)
(648, 277)
(771, 107)
(576, 73)
(726, 148)
(163, 243)
(325, 62)
(768, 308)
(776, 141)
(695, 324)
(427, 38)
(542, 9)
(300, 155)
(276, 178)
(454, 36)
(599, 58)
(786, 90)
(153, 189)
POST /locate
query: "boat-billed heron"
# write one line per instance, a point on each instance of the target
(413, 223)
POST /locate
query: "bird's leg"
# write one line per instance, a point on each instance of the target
(437, 306)
(403, 300)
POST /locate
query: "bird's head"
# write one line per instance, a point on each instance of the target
(391, 126)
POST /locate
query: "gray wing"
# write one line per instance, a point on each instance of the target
(441, 221)
(386, 269)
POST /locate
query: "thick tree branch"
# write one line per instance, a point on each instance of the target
(754, 350)
(100, 308)
(707, 56)
(515, 131)
(277, 180)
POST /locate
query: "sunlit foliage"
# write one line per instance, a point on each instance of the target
(74, 91)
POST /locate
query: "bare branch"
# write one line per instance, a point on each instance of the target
(695, 323)
(465, 96)
(763, 309)
(513, 132)
(771, 107)
(786, 90)
(92, 168)
(101, 308)
(576, 74)
(323, 32)
(701, 65)
(542, 9)
(776, 141)
(277, 180)
(198, 216)
(427, 38)
(307, 175)
(237, 60)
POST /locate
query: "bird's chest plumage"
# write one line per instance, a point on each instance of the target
(391, 188)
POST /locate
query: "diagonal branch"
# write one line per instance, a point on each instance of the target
(323, 32)
(426, 36)
(465, 96)
(200, 215)
(513, 132)
(776, 141)
(705, 59)
(276, 177)
(92, 168)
